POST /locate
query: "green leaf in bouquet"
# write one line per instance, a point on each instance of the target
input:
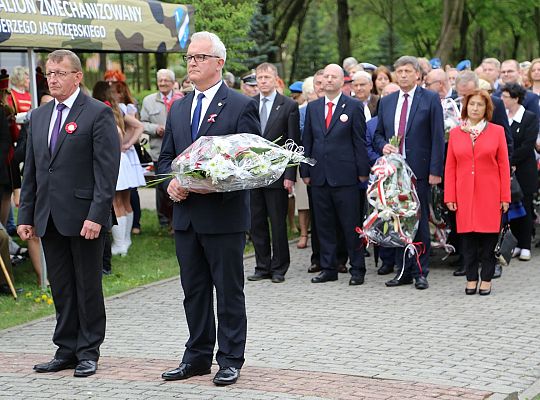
(394, 141)
(385, 228)
(197, 174)
(259, 150)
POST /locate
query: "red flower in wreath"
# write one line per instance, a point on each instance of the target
(71, 127)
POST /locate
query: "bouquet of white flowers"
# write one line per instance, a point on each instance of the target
(235, 162)
(451, 115)
(393, 202)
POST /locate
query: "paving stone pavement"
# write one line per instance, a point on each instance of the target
(308, 341)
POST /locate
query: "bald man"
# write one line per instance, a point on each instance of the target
(437, 81)
(334, 135)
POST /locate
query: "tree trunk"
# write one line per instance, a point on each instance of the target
(146, 69)
(451, 21)
(537, 24)
(296, 54)
(343, 31)
(161, 61)
(391, 34)
(102, 63)
(464, 28)
(478, 47)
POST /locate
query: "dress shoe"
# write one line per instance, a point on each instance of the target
(55, 365)
(516, 252)
(421, 283)
(184, 371)
(385, 269)
(498, 271)
(460, 271)
(342, 269)
(85, 368)
(324, 277)
(399, 282)
(226, 376)
(278, 278)
(484, 292)
(356, 280)
(469, 290)
(314, 268)
(258, 277)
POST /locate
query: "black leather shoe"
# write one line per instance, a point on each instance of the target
(258, 277)
(498, 271)
(342, 269)
(324, 277)
(314, 268)
(85, 368)
(405, 280)
(356, 280)
(184, 371)
(460, 271)
(421, 283)
(4, 289)
(278, 278)
(55, 365)
(226, 376)
(385, 269)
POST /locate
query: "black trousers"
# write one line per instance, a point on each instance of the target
(333, 206)
(422, 235)
(164, 206)
(271, 254)
(208, 261)
(522, 227)
(478, 248)
(74, 265)
(341, 251)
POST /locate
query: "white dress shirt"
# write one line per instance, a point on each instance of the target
(334, 102)
(269, 104)
(207, 99)
(69, 104)
(398, 112)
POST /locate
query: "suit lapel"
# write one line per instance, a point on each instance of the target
(214, 109)
(274, 112)
(414, 106)
(74, 113)
(391, 114)
(41, 127)
(340, 108)
(319, 110)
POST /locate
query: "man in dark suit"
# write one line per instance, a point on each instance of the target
(510, 73)
(414, 115)
(279, 118)
(70, 172)
(209, 228)
(334, 135)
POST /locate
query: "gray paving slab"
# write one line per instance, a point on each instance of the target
(437, 336)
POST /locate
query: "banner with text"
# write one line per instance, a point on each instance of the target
(94, 25)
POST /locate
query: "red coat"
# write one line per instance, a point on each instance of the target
(477, 179)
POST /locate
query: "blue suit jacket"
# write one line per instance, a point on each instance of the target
(424, 134)
(340, 150)
(212, 213)
(371, 126)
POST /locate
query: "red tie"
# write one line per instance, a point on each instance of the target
(329, 114)
(403, 122)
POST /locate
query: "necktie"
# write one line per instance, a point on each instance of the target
(56, 127)
(167, 103)
(196, 117)
(329, 114)
(403, 121)
(264, 114)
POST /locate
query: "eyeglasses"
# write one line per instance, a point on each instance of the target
(59, 74)
(198, 57)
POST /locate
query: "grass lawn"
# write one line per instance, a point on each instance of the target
(151, 258)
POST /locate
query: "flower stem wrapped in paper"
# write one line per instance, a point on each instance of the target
(393, 202)
(235, 162)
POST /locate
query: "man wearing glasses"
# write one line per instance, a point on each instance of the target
(70, 172)
(209, 228)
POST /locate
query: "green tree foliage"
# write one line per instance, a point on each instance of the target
(260, 34)
(230, 20)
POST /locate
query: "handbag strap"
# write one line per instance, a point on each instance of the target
(504, 220)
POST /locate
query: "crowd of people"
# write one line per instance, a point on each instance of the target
(84, 147)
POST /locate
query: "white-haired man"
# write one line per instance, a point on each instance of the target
(209, 228)
(362, 85)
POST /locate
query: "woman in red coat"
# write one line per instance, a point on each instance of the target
(477, 186)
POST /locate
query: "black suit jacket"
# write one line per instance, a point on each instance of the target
(212, 213)
(78, 181)
(340, 150)
(524, 134)
(284, 123)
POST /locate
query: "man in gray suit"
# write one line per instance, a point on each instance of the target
(70, 172)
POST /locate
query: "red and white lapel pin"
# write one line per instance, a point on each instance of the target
(212, 118)
(71, 127)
